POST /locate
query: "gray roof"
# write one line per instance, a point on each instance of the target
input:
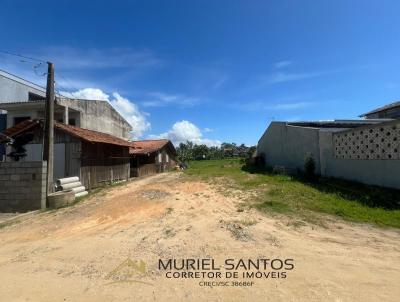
(335, 124)
(383, 108)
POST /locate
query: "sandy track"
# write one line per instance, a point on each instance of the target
(70, 254)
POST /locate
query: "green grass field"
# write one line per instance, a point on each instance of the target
(294, 195)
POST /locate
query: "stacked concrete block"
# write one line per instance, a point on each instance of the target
(22, 186)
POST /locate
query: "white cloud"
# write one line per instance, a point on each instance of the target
(282, 77)
(219, 82)
(264, 106)
(291, 106)
(67, 57)
(77, 67)
(159, 99)
(186, 131)
(87, 94)
(132, 114)
(282, 64)
(125, 107)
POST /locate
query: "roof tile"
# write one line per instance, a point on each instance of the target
(84, 134)
(147, 146)
(91, 135)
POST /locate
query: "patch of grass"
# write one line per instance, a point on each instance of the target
(275, 206)
(295, 195)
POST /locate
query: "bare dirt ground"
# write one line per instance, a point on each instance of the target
(71, 254)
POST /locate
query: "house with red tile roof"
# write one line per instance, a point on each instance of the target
(151, 156)
(91, 139)
(22, 100)
(95, 157)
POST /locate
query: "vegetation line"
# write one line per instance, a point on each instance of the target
(302, 197)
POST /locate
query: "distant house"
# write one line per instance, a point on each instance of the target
(365, 150)
(95, 157)
(388, 111)
(151, 156)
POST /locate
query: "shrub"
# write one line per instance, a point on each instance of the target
(309, 166)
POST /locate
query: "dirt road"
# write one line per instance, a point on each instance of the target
(73, 254)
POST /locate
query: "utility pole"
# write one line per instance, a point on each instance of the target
(48, 148)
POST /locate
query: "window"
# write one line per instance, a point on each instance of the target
(35, 97)
(166, 158)
(20, 119)
(159, 157)
(72, 122)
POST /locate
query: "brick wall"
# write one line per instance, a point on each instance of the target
(22, 186)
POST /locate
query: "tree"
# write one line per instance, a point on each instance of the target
(189, 151)
(185, 151)
(251, 151)
(215, 153)
(200, 152)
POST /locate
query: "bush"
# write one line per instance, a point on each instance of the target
(309, 167)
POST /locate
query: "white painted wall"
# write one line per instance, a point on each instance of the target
(284, 145)
(34, 153)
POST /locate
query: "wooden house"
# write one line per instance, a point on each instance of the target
(95, 157)
(151, 156)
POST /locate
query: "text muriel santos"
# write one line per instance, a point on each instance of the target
(200, 268)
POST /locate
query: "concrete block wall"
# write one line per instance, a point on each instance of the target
(288, 146)
(379, 172)
(381, 141)
(22, 186)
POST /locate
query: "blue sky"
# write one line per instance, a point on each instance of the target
(226, 68)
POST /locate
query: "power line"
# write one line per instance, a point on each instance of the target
(58, 91)
(65, 79)
(21, 56)
(36, 66)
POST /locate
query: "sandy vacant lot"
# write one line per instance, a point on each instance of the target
(72, 254)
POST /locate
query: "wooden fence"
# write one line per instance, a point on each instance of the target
(144, 170)
(93, 176)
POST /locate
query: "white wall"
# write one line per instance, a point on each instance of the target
(13, 89)
(34, 153)
(287, 146)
